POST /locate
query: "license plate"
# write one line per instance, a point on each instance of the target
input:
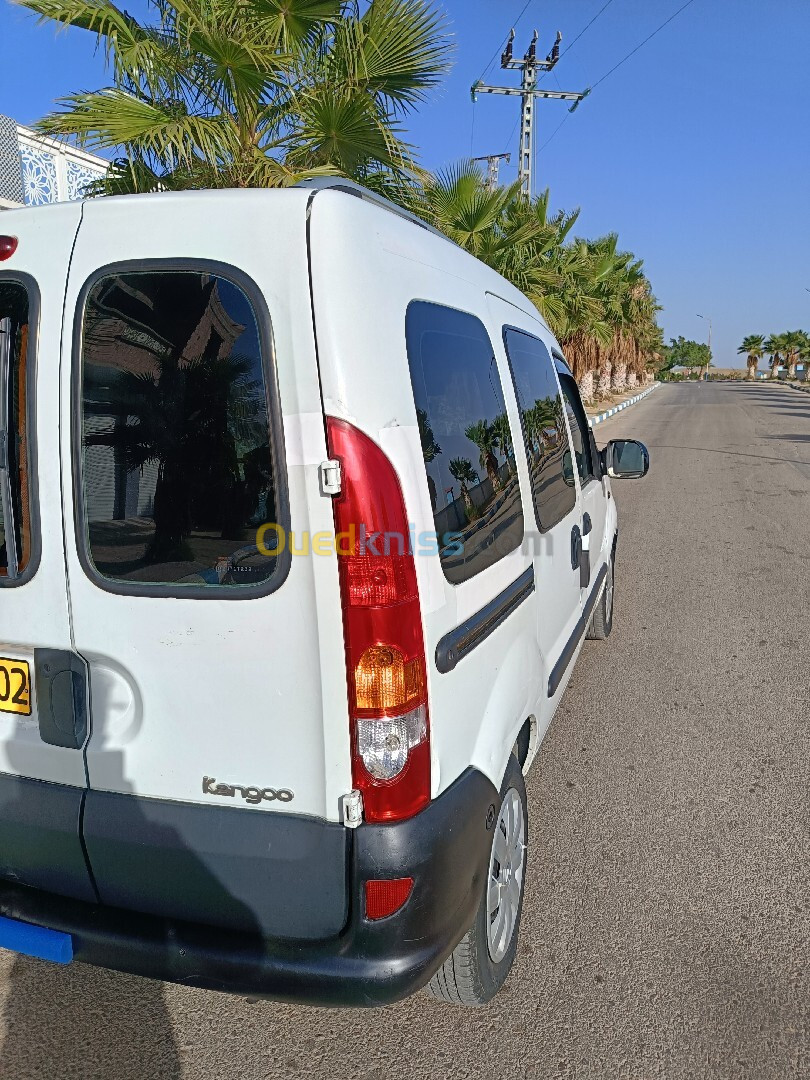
(15, 686)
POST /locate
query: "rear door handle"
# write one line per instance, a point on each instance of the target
(61, 686)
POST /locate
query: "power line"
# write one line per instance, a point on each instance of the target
(564, 120)
(643, 43)
(586, 28)
(616, 66)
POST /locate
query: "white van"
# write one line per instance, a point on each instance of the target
(304, 526)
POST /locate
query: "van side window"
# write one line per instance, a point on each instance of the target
(543, 420)
(466, 439)
(15, 520)
(580, 428)
(176, 463)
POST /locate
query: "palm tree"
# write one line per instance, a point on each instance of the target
(793, 341)
(461, 469)
(209, 93)
(594, 297)
(430, 448)
(546, 414)
(503, 435)
(753, 347)
(775, 347)
(482, 433)
(804, 353)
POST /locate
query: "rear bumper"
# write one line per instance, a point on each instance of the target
(445, 849)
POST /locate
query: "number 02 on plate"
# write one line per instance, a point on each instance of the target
(15, 686)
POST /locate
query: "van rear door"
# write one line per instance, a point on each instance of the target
(193, 437)
(43, 700)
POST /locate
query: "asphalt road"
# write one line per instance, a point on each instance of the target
(666, 930)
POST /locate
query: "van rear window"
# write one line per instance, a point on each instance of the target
(15, 510)
(176, 461)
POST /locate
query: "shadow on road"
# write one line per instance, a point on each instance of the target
(729, 453)
(76, 1022)
(85, 1022)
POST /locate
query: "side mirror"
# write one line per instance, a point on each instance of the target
(625, 459)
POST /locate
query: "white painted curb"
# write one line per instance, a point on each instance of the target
(594, 420)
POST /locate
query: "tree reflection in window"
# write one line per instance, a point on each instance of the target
(544, 432)
(466, 440)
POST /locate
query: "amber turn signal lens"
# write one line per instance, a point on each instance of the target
(385, 681)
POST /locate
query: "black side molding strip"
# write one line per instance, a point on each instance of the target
(456, 644)
(561, 666)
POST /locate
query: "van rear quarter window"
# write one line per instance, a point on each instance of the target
(466, 439)
(176, 460)
(15, 383)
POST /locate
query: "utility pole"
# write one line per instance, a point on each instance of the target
(493, 167)
(528, 67)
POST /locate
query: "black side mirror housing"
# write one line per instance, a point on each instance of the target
(625, 459)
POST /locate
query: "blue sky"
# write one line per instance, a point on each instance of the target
(695, 151)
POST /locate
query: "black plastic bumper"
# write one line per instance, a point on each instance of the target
(445, 849)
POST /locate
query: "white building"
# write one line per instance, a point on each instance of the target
(35, 170)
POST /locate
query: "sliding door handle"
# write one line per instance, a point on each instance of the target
(576, 548)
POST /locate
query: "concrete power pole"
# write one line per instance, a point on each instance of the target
(528, 92)
(493, 167)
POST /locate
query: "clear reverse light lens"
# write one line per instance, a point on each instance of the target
(384, 744)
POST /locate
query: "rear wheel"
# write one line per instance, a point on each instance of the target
(476, 969)
(602, 621)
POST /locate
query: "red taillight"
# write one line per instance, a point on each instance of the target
(8, 245)
(382, 628)
(384, 897)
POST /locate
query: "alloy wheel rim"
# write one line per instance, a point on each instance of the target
(507, 861)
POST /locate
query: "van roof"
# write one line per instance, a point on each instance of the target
(301, 192)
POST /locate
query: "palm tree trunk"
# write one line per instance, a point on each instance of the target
(752, 368)
(619, 381)
(492, 472)
(603, 385)
(586, 387)
(632, 380)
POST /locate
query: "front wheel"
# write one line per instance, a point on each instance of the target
(602, 621)
(477, 968)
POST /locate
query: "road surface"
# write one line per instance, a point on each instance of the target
(666, 928)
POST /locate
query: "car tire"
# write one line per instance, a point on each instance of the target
(602, 621)
(477, 968)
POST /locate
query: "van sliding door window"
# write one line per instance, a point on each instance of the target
(466, 439)
(580, 429)
(176, 462)
(15, 451)
(543, 418)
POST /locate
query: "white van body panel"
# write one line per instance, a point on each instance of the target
(250, 691)
(286, 721)
(367, 267)
(35, 615)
